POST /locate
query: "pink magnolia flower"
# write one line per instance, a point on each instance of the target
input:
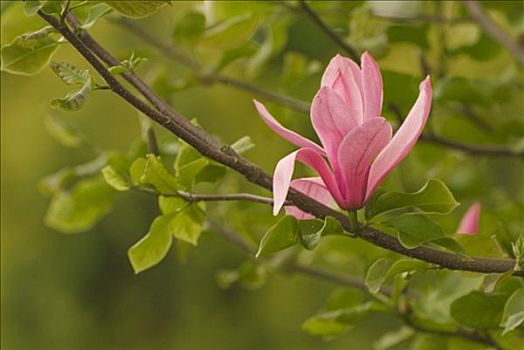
(469, 225)
(358, 150)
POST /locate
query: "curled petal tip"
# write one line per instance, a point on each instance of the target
(426, 83)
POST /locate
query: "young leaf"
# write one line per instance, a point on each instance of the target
(384, 269)
(69, 73)
(187, 225)
(249, 275)
(415, 229)
(243, 144)
(282, 235)
(136, 8)
(74, 100)
(28, 53)
(153, 172)
(434, 198)
(310, 231)
(513, 315)
(391, 339)
(115, 179)
(170, 205)
(95, 13)
(31, 7)
(153, 247)
(79, 209)
(231, 33)
(344, 308)
(479, 310)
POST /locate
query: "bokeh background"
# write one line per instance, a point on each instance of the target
(79, 291)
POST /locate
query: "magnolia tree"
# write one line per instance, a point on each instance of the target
(446, 257)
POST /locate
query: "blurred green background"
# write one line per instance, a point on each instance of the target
(79, 291)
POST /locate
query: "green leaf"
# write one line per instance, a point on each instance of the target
(249, 275)
(170, 205)
(513, 315)
(115, 179)
(415, 229)
(31, 7)
(505, 238)
(231, 33)
(393, 338)
(187, 225)
(136, 170)
(79, 209)
(74, 100)
(310, 231)
(451, 245)
(385, 269)
(119, 69)
(191, 167)
(153, 172)
(28, 53)
(459, 89)
(69, 73)
(414, 34)
(188, 172)
(479, 310)
(324, 327)
(434, 197)
(136, 8)
(61, 132)
(344, 308)
(212, 172)
(95, 13)
(189, 28)
(282, 235)
(56, 182)
(243, 144)
(153, 247)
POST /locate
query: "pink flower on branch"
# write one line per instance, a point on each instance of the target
(469, 225)
(358, 150)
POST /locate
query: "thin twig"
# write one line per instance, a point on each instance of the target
(208, 76)
(355, 282)
(494, 30)
(295, 104)
(200, 197)
(491, 150)
(209, 147)
(348, 49)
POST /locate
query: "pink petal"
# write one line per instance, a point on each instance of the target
(371, 87)
(312, 187)
(344, 76)
(403, 141)
(469, 225)
(284, 172)
(287, 134)
(332, 120)
(356, 153)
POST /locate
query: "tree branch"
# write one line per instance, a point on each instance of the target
(354, 282)
(348, 49)
(209, 147)
(494, 30)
